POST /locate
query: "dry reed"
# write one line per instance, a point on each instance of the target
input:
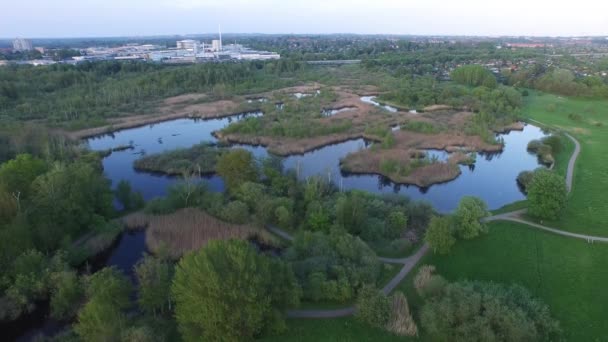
(189, 229)
(401, 321)
(423, 277)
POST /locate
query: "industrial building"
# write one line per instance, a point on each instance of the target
(20, 44)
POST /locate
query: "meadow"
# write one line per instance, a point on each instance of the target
(587, 121)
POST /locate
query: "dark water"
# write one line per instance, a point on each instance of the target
(124, 253)
(492, 178)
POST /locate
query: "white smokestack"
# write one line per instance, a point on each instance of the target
(219, 27)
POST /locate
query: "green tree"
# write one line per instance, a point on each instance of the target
(468, 217)
(67, 294)
(396, 223)
(237, 167)
(479, 311)
(154, 277)
(103, 317)
(474, 75)
(351, 212)
(547, 194)
(127, 197)
(439, 235)
(67, 200)
(18, 174)
(229, 291)
(373, 307)
(235, 212)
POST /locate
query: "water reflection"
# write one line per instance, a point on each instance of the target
(492, 177)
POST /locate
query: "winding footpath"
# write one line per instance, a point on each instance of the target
(517, 216)
(408, 264)
(411, 261)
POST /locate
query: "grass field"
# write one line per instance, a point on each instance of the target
(338, 329)
(567, 274)
(587, 121)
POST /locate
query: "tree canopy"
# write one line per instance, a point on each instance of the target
(227, 289)
(546, 194)
(474, 75)
(237, 167)
(480, 311)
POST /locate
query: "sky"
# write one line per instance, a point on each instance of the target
(103, 18)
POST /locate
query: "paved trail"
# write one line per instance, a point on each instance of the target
(409, 262)
(408, 265)
(517, 216)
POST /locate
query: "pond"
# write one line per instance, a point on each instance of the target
(372, 100)
(492, 178)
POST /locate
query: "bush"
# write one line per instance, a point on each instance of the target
(373, 307)
(474, 75)
(480, 311)
(235, 212)
(555, 141)
(400, 321)
(103, 317)
(439, 235)
(67, 295)
(524, 179)
(546, 194)
(396, 223)
(428, 284)
(468, 215)
(321, 261)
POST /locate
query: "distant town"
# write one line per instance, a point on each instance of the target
(185, 51)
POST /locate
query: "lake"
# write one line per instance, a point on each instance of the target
(492, 178)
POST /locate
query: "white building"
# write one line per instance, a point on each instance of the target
(216, 45)
(186, 44)
(21, 44)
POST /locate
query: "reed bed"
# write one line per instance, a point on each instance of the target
(189, 229)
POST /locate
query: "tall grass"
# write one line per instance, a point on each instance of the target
(189, 229)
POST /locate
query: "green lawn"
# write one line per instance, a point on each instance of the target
(338, 329)
(568, 274)
(587, 121)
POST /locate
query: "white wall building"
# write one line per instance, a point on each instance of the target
(21, 44)
(216, 45)
(186, 44)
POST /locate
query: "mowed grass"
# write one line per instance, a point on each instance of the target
(337, 329)
(567, 274)
(587, 121)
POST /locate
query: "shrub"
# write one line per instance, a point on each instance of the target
(480, 311)
(400, 321)
(524, 179)
(428, 284)
(474, 75)
(396, 223)
(103, 317)
(319, 259)
(154, 279)
(420, 126)
(67, 295)
(547, 194)
(555, 141)
(373, 307)
(534, 145)
(439, 235)
(575, 117)
(235, 212)
(468, 215)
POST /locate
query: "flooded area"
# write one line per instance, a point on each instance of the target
(492, 177)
